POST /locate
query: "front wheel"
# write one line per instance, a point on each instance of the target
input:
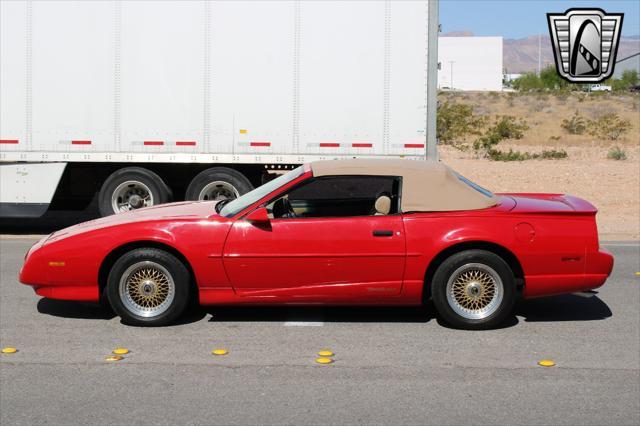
(474, 290)
(148, 287)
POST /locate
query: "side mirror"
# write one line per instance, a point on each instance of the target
(259, 215)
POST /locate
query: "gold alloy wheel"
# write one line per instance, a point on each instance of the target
(147, 289)
(475, 291)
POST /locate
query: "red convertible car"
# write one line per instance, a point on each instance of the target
(356, 232)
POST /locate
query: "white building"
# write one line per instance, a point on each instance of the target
(470, 63)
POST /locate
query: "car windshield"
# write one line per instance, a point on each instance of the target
(235, 206)
(475, 186)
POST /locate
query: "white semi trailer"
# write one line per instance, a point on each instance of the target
(143, 102)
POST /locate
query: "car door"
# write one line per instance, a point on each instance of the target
(322, 255)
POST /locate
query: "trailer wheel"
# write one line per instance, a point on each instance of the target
(218, 183)
(132, 188)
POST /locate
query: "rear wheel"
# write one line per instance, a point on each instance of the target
(148, 287)
(132, 188)
(218, 183)
(474, 290)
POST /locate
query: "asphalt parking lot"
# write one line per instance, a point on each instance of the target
(392, 366)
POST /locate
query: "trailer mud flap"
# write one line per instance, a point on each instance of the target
(26, 190)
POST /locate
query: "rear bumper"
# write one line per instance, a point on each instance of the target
(598, 268)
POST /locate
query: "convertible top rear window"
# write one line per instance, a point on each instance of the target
(475, 186)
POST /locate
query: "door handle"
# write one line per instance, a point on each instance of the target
(382, 233)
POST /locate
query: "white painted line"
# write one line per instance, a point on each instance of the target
(303, 324)
(21, 236)
(296, 318)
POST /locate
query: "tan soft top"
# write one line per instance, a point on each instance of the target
(426, 186)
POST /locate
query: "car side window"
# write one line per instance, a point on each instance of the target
(339, 196)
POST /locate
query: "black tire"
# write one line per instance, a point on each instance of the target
(160, 192)
(235, 179)
(464, 262)
(148, 258)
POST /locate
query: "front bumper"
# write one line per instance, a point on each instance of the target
(37, 273)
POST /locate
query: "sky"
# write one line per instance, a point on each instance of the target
(522, 18)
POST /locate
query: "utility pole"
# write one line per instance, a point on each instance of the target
(539, 53)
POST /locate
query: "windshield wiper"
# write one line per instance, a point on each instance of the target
(221, 204)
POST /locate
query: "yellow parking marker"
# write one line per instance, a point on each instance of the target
(121, 351)
(325, 353)
(219, 352)
(546, 363)
(114, 358)
(9, 350)
(324, 360)
(638, 274)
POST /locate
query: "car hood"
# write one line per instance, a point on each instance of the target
(186, 210)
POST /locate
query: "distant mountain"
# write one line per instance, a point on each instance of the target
(521, 55)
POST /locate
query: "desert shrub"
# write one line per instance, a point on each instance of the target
(552, 154)
(548, 79)
(609, 126)
(551, 80)
(508, 127)
(616, 153)
(628, 79)
(455, 121)
(511, 155)
(527, 82)
(577, 125)
(504, 127)
(554, 138)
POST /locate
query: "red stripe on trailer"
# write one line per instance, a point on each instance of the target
(329, 145)
(414, 145)
(80, 142)
(361, 145)
(9, 141)
(153, 143)
(260, 144)
(185, 143)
